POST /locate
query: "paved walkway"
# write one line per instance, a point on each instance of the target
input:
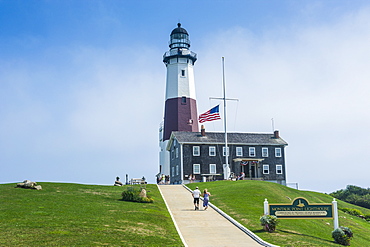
(201, 228)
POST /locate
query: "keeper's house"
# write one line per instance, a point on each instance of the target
(201, 155)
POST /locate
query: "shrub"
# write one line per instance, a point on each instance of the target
(355, 212)
(367, 217)
(269, 222)
(130, 196)
(352, 211)
(133, 195)
(342, 235)
(147, 199)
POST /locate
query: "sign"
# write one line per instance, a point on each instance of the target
(301, 209)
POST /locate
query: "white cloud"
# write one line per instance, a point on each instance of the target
(88, 113)
(313, 81)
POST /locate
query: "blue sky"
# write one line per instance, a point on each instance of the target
(82, 84)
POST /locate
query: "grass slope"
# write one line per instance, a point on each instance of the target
(82, 215)
(243, 200)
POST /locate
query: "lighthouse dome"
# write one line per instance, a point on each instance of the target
(179, 29)
(179, 38)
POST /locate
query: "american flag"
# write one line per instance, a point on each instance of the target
(244, 163)
(210, 115)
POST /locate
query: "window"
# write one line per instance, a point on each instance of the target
(196, 168)
(196, 151)
(265, 152)
(212, 151)
(177, 170)
(182, 72)
(279, 169)
(277, 152)
(252, 151)
(239, 151)
(177, 152)
(183, 100)
(266, 169)
(212, 168)
(173, 171)
(172, 156)
(223, 151)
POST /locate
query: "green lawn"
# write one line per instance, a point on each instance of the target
(91, 215)
(82, 215)
(243, 200)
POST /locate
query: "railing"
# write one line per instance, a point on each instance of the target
(179, 52)
(292, 185)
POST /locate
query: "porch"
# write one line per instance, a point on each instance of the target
(248, 168)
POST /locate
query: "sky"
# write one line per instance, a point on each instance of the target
(82, 84)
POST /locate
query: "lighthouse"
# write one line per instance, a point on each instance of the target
(180, 112)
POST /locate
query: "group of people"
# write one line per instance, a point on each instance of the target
(196, 196)
(163, 179)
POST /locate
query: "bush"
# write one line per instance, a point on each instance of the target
(130, 196)
(367, 217)
(352, 211)
(269, 222)
(133, 195)
(342, 235)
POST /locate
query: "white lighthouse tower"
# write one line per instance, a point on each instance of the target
(180, 108)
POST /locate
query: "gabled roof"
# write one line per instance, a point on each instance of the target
(232, 138)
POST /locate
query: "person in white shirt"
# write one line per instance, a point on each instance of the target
(196, 196)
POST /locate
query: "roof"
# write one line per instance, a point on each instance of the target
(232, 138)
(179, 29)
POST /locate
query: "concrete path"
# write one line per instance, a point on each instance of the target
(202, 227)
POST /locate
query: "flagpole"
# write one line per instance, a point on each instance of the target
(227, 169)
(226, 165)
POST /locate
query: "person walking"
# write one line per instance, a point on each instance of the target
(206, 196)
(196, 195)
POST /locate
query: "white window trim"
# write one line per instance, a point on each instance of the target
(194, 152)
(277, 152)
(177, 170)
(239, 151)
(214, 151)
(267, 152)
(281, 169)
(268, 169)
(250, 152)
(196, 165)
(210, 168)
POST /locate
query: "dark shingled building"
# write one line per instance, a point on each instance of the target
(201, 156)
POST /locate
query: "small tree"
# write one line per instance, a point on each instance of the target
(342, 235)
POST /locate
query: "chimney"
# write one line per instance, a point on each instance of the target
(202, 130)
(276, 134)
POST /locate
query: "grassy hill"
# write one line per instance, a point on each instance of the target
(243, 200)
(82, 215)
(92, 215)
